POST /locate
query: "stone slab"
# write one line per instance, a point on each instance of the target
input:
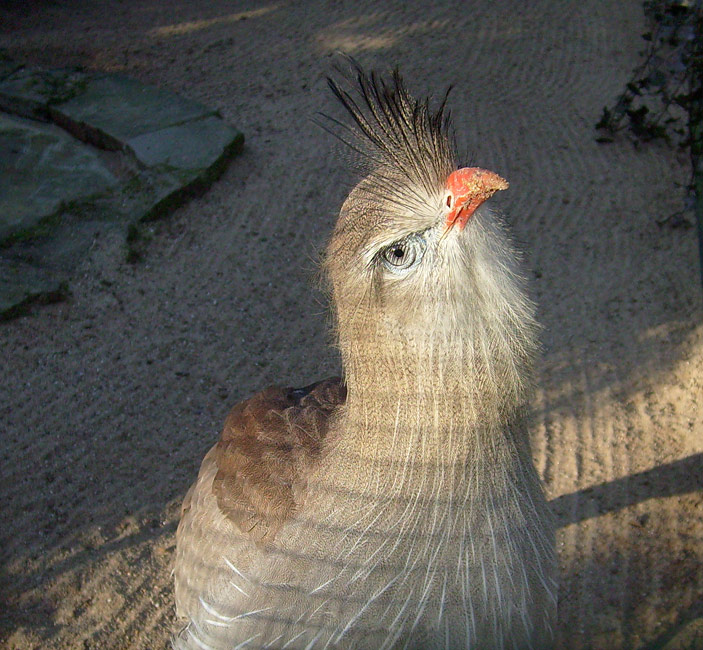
(195, 145)
(42, 169)
(67, 244)
(22, 283)
(56, 194)
(146, 196)
(114, 109)
(30, 92)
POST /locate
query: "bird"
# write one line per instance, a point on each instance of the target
(398, 505)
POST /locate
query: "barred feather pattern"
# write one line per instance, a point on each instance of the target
(423, 525)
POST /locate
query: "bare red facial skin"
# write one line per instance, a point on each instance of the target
(468, 188)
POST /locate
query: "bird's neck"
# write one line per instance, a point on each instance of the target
(415, 410)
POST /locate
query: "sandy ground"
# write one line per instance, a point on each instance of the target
(109, 401)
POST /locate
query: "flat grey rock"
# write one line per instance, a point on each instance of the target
(22, 283)
(194, 145)
(30, 92)
(57, 194)
(114, 109)
(42, 169)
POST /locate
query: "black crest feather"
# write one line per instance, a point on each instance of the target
(398, 136)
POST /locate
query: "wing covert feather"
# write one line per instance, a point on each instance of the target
(269, 444)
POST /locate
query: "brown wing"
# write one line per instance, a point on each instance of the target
(268, 445)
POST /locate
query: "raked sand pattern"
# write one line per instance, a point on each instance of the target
(109, 401)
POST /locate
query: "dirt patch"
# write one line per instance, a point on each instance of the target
(110, 400)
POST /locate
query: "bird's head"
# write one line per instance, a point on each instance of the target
(416, 261)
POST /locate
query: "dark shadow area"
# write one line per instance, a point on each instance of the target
(680, 477)
(612, 618)
(38, 611)
(679, 636)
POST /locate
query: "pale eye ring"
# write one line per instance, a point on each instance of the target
(403, 254)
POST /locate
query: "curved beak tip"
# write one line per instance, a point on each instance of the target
(470, 187)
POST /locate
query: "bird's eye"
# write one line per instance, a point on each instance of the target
(403, 254)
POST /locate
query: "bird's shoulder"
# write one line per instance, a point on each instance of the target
(269, 444)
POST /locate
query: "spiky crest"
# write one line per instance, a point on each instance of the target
(398, 136)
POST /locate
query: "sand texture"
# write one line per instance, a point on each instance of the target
(109, 401)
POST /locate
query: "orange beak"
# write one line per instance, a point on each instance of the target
(468, 189)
